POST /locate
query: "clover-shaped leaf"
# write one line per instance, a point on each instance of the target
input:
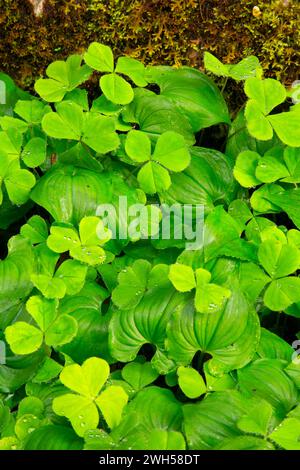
(264, 96)
(170, 154)
(32, 111)
(81, 407)
(34, 152)
(92, 129)
(139, 375)
(84, 245)
(53, 328)
(114, 87)
(63, 77)
(280, 260)
(18, 182)
(209, 297)
(246, 68)
(132, 284)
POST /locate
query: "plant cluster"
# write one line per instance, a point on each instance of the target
(142, 342)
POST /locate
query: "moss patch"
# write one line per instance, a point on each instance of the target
(157, 31)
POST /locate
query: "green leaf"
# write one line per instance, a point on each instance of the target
(156, 114)
(138, 146)
(53, 437)
(18, 185)
(35, 230)
(257, 124)
(73, 275)
(111, 403)
(34, 152)
(132, 283)
(194, 94)
(99, 133)
(258, 419)
(287, 434)
(66, 123)
(267, 93)
(265, 379)
(215, 66)
(191, 382)
(133, 68)
(116, 89)
(230, 335)
(209, 297)
(209, 422)
(31, 111)
(279, 259)
(153, 178)
(48, 371)
(139, 375)
(50, 287)
(100, 57)
(182, 277)
(81, 411)
(286, 126)
(62, 331)
(282, 293)
(171, 151)
(23, 338)
(42, 310)
(88, 379)
(63, 77)
(245, 169)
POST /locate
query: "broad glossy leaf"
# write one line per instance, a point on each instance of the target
(54, 437)
(194, 94)
(156, 114)
(230, 335)
(208, 423)
(208, 180)
(265, 379)
(287, 434)
(191, 382)
(153, 409)
(15, 283)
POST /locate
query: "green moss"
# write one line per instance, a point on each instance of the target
(156, 31)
